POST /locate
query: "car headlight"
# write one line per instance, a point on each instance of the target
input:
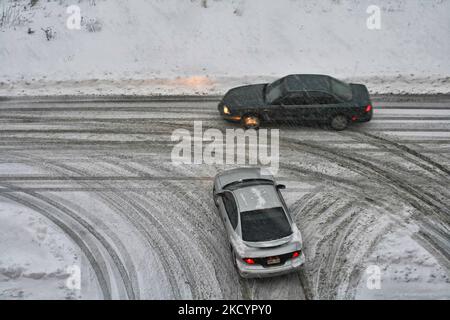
(226, 110)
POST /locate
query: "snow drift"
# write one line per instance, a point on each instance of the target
(206, 46)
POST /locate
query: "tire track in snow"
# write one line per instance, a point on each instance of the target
(129, 285)
(181, 200)
(324, 219)
(371, 170)
(140, 206)
(315, 206)
(88, 249)
(136, 216)
(385, 143)
(92, 230)
(437, 233)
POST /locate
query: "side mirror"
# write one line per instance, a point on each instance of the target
(221, 193)
(281, 186)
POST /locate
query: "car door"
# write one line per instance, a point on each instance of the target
(324, 105)
(297, 106)
(276, 111)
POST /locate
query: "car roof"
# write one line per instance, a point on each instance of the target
(241, 174)
(257, 197)
(307, 82)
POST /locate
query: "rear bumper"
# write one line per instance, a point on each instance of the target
(364, 118)
(258, 271)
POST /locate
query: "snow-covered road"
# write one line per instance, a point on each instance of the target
(89, 183)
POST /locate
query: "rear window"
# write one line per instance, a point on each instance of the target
(264, 225)
(341, 89)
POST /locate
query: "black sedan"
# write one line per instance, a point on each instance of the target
(300, 97)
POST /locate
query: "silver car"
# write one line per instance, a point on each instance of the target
(264, 239)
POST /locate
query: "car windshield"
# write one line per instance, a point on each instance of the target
(273, 91)
(264, 225)
(341, 89)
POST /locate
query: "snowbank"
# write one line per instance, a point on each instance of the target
(198, 46)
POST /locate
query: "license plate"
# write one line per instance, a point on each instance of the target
(273, 260)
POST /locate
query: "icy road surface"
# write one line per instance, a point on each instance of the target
(92, 207)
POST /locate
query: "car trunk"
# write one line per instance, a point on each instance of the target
(268, 244)
(360, 94)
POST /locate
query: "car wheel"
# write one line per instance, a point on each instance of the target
(339, 122)
(251, 122)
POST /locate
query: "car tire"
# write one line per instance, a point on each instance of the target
(339, 122)
(251, 121)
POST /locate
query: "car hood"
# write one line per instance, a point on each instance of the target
(245, 96)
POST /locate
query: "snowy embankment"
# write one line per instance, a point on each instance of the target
(206, 46)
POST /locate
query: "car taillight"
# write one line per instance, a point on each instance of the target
(249, 261)
(296, 254)
(369, 108)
